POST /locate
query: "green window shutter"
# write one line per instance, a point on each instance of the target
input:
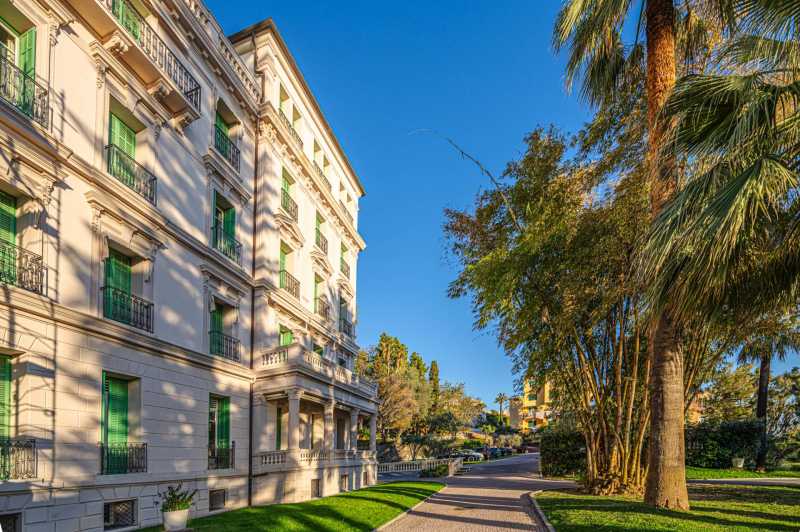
(5, 397)
(213, 423)
(286, 336)
(220, 123)
(224, 423)
(217, 341)
(126, 16)
(282, 259)
(285, 185)
(27, 52)
(278, 429)
(8, 218)
(229, 222)
(316, 290)
(118, 271)
(115, 423)
(122, 136)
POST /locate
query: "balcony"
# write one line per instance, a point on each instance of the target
(222, 457)
(321, 241)
(225, 146)
(23, 93)
(130, 173)
(226, 244)
(123, 458)
(297, 357)
(292, 131)
(119, 305)
(322, 308)
(303, 458)
(344, 267)
(224, 345)
(288, 205)
(17, 459)
(322, 175)
(289, 283)
(21, 268)
(346, 326)
(127, 34)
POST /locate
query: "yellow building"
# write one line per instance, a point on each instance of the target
(531, 409)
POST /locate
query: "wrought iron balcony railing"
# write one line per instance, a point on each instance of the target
(130, 173)
(224, 345)
(344, 267)
(226, 244)
(322, 175)
(289, 283)
(322, 308)
(121, 306)
(321, 241)
(123, 458)
(225, 146)
(156, 49)
(222, 457)
(292, 131)
(22, 92)
(20, 267)
(17, 459)
(346, 326)
(288, 204)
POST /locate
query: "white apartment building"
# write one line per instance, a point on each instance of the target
(178, 265)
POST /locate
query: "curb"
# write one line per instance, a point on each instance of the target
(537, 510)
(400, 516)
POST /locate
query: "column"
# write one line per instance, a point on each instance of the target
(293, 438)
(328, 443)
(373, 432)
(354, 429)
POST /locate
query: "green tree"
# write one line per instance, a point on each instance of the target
(433, 379)
(729, 395)
(501, 400)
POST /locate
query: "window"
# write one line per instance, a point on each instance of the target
(119, 300)
(128, 17)
(114, 424)
(5, 397)
(318, 349)
(219, 429)
(286, 337)
(317, 293)
(364, 479)
(286, 280)
(216, 499)
(18, 56)
(224, 121)
(316, 488)
(344, 482)
(223, 228)
(8, 236)
(11, 522)
(119, 514)
(221, 339)
(278, 427)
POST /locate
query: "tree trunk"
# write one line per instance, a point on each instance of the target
(761, 408)
(666, 480)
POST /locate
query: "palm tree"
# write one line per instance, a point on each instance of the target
(592, 30)
(775, 337)
(501, 400)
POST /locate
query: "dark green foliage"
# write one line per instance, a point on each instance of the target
(176, 498)
(563, 453)
(438, 471)
(714, 445)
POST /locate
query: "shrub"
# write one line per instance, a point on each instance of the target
(176, 499)
(438, 471)
(714, 445)
(473, 444)
(562, 452)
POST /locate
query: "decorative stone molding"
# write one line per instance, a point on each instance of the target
(289, 231)
(31, 181)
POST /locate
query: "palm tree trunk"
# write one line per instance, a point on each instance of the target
(666, 478)
(761, 408)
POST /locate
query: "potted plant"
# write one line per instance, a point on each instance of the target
(738, 463)
(175, 504)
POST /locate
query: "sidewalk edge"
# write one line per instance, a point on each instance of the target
(403, 514)
(538, 511)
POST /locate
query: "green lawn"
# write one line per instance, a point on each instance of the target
(363, 509)
(699, 473)
(714, 508)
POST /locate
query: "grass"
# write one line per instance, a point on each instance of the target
(699, 473)
(364, 509)
(713, 508)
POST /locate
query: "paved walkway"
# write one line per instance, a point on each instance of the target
(489, 497)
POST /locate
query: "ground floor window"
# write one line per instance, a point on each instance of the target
(364, 479)
(344, 482)
(119, 514)
(316, 487)
(216, 499)
(11, 523)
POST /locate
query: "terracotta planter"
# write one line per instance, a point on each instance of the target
(176, 520)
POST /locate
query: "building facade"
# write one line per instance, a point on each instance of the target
(532, 409)
(178, 261)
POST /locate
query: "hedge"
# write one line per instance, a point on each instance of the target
(562, 452)
(715, 445)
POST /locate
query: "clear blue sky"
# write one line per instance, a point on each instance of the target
(482, 72)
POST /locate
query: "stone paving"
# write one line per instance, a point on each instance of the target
(490, 497)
